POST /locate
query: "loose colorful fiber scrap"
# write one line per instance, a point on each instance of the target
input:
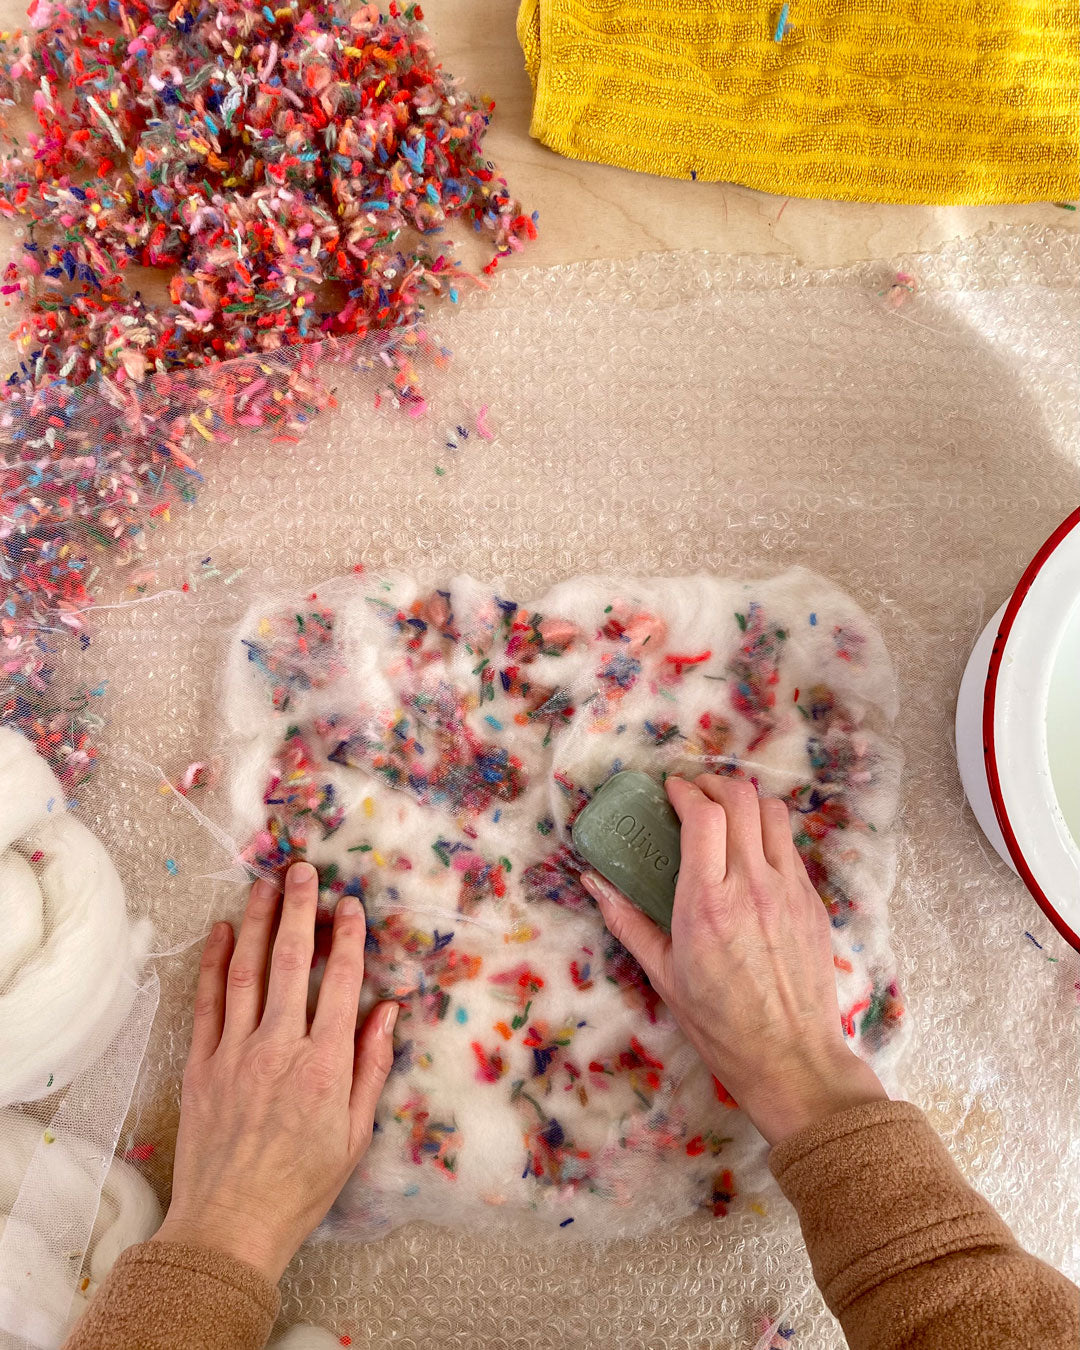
(904, 286)
(780, 1335)
(265, 163)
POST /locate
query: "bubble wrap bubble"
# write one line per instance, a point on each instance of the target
(659, 417)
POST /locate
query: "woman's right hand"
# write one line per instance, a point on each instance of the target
(748, 968)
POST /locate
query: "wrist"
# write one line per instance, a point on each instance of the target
(807, 1095)
(232, 1235)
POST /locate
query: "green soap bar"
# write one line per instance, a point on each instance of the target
(630, 834)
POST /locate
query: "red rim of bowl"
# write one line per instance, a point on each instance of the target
(993, 775)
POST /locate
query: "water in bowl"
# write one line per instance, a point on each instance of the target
(1063, 724)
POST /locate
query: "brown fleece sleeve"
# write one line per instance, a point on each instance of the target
(161, 1295)
(907, 1255)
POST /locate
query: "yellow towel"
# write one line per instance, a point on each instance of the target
(860, 100)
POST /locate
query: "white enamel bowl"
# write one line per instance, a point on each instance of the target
(1018, 729)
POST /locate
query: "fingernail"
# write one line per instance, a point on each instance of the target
(347, 905)
(263, 889)
(390, 1018)
(300, 873)
(218, 932)
(601, 889)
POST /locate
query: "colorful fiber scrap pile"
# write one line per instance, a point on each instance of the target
(284, 171)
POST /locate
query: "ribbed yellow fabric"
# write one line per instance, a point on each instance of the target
(929, 101)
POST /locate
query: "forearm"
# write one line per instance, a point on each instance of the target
(161, 1295)
(907, 1255)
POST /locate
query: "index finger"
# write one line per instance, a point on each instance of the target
(210, 994)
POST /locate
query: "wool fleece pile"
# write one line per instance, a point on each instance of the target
(428, 749)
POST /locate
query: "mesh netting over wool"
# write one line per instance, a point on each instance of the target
(428, 748)
(722, 451)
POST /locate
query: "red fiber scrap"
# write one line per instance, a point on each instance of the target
(681, 662)
(847, 1019)
(581, 975)
(490, 1066)
(642, 1055)
(723, 1193)
(723, 1096)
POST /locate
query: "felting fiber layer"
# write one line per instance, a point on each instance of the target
(429, 747)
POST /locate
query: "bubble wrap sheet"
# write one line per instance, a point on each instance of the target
(660, 417)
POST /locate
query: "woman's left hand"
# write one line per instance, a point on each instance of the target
(275, 1114)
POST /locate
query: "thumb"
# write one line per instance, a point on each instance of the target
(371, 1068)
(642, 938)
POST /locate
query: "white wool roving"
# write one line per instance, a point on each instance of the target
(70, 958)
(305, 1337)
(41, 1294)
(429, 748)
